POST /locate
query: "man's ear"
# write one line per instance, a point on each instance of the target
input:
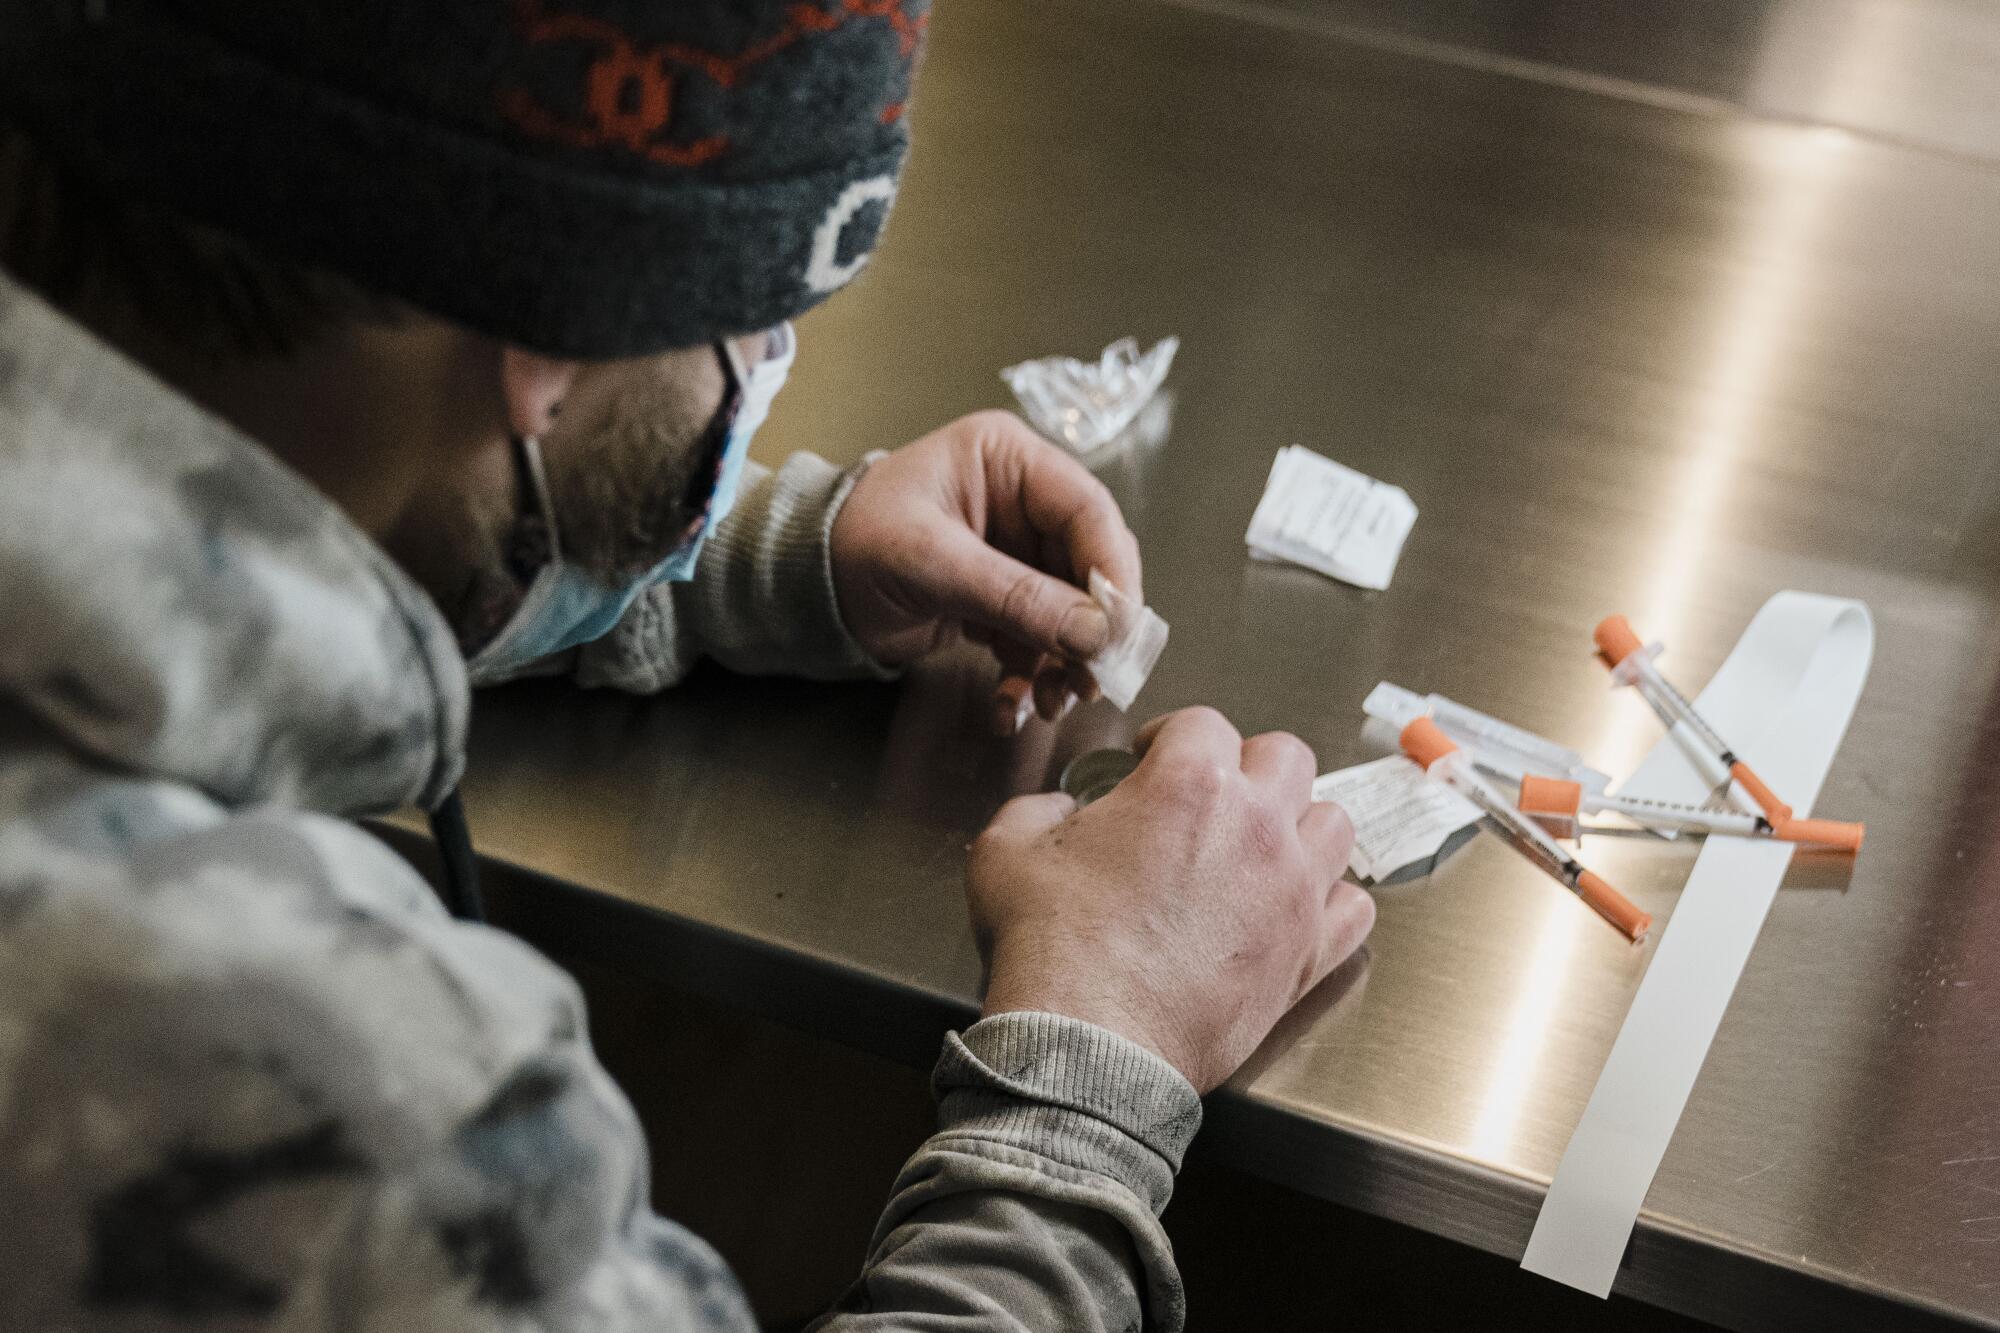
(534, 386)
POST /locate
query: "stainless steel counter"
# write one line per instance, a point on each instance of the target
(1916, 72)
(1624, 357)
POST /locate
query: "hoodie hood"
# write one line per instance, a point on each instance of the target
(177, 602)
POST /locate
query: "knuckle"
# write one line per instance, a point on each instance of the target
(1267, 832)
(1024, 601)
(1096, 503)
(1063, 617)
(1291, 758)
(1204, 715)
(1294, 749)
(992, 422)
(1194, 782)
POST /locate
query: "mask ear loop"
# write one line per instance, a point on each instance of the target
(528, 459)
(457, 862)
(734, 371)
(700, 494)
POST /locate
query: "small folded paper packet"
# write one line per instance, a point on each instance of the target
(1326, 517)
(1138, 636)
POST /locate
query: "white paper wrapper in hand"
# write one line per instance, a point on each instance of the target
(1138, 636)
(1330, 518)
(1401, 817)
(1083, 404)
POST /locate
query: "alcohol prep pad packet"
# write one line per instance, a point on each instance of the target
(1330, 518)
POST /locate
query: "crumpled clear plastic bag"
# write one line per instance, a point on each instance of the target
(1086, 404)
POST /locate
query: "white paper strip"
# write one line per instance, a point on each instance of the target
(1785, 697)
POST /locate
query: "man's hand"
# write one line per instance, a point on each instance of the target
(983, 525)
(1187, 910)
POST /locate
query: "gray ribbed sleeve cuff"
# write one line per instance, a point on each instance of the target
(778, 595)
(1072, 1092)
(762, 601)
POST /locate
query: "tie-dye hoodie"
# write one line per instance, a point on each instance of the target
(252, 1077)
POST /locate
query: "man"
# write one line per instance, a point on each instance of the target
(346, 340)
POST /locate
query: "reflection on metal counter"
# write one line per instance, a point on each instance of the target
(1541, 308)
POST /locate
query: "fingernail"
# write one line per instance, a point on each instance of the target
(1048, 694)
(1013, 705)
(1086, 630)
(1069, 702)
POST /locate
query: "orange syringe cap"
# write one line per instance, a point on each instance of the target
(1614, 906)
(1616, 639)
(1767, 800)
(1835, 833)
(1424, 741)
(1550, 797)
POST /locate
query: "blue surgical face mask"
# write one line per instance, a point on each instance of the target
(566, 606)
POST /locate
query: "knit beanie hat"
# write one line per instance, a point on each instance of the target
(588, 178)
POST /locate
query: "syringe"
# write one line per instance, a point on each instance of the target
(1501, 748)
(1557, 804)
(1424, 742)
(1631, 663)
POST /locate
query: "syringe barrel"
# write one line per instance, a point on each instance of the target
(1672, 706)
(1424, 742)
(1674, 815)
(1457, 772)
(1537, 754)
(1527, 836)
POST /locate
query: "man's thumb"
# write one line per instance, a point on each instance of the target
(1025, 817)
(987, 587)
